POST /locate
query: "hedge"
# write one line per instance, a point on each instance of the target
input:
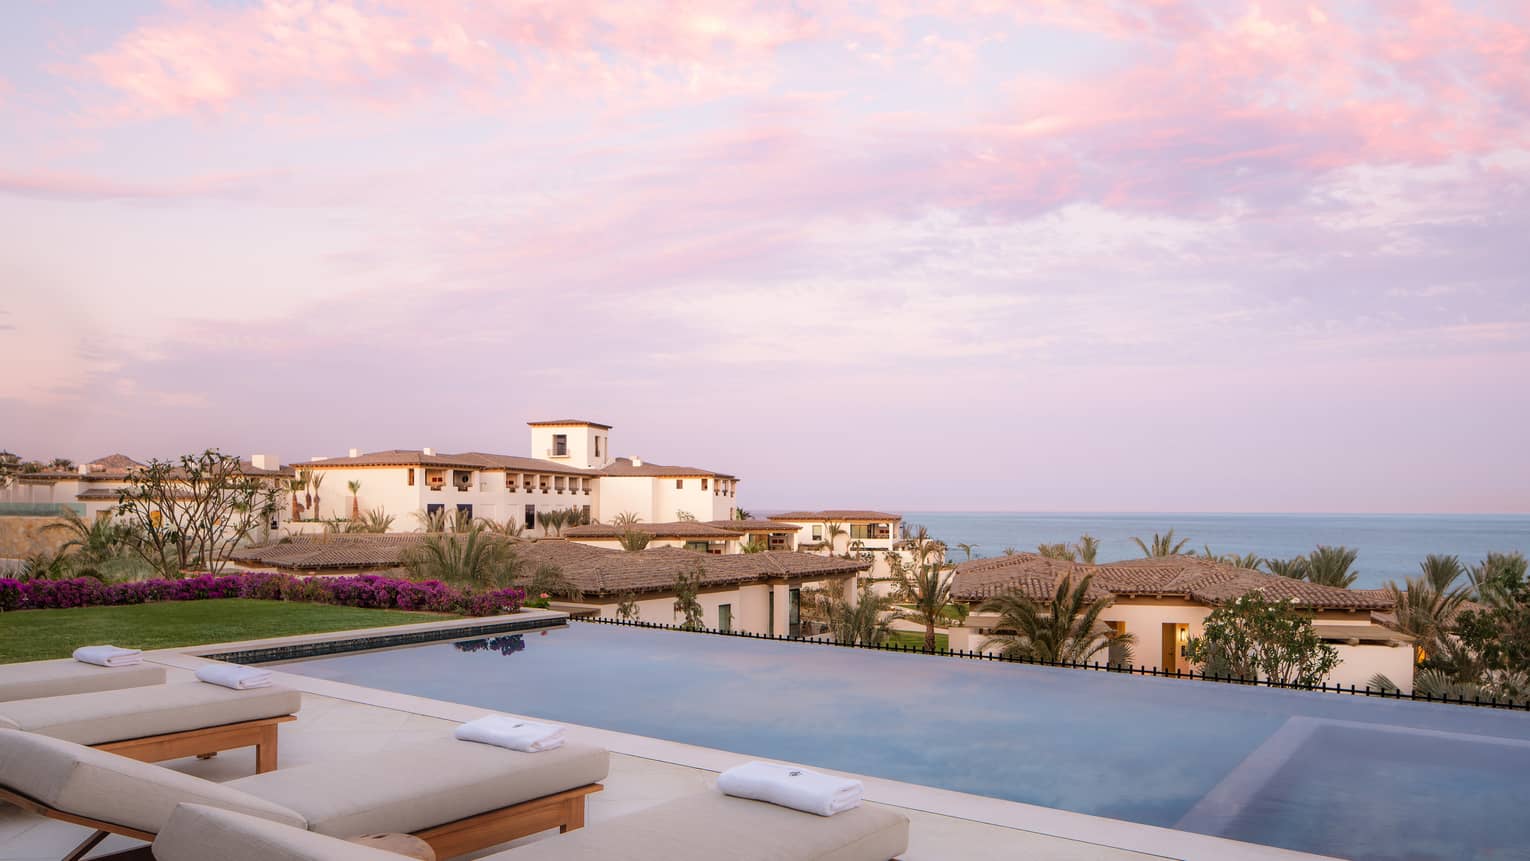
(364, 590)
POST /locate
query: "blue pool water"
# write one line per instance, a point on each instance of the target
(1391, 546)
(1141, 749)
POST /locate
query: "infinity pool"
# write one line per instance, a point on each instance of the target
(1366, 779)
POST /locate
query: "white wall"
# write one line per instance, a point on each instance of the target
(1359, 663)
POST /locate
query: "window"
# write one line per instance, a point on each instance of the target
(725, 618)
(698, 546)
(703, 484)
(531, 517)
(434, 507)
(597, 446)
(794, 613)
(465, 510)
(587, 514)
(560, 445)
(411, 478)
(817, 532)
(679, 484)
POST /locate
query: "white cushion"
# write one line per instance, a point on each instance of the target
(111, 788)
(56, 678)
(103, 716)
(199, 833)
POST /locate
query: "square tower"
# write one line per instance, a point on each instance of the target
(582, 444)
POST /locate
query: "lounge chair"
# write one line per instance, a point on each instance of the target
(159, 722)
(703, 827)
(36, 679)
(457, 796)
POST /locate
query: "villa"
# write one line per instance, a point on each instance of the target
(91, 489)
(570, 466)
(1163, 602)
(756, 593)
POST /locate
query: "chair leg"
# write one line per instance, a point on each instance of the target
(574, 816)
(265, 750)
(85, 846)
(207, 755)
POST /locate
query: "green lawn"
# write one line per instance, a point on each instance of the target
(33, 635)
(916, 639)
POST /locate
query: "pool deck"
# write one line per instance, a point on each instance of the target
(339, 719)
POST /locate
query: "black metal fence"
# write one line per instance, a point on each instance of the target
(1124, 669)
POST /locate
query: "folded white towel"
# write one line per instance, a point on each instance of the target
(512, 733)
(108, 656)
(234, 676)
(792, 787)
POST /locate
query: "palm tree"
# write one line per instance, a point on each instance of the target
(1056, 551)
(510, 528)
(633, 540)
(741, 514)
(355, 488)
(925, 583)
(552, 520)
(1163, 545)
(1248, 560)
(376, 520)
(1294, 568)
(831, 532)
(306, 475)
(685, 517)
(1497, 577)
(1087, 548)
(431, 520)
(754, 545)
(95, 542)
(626, 518)
(1066, 631)
(61, 464)
(1425, 607)
(293, 486)
(316, 481)
(865, 621)
(474, 557)
(966, 549)
(1330, 566)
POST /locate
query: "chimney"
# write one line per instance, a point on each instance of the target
(637, 461)
(84, 469)
(355, 452)
(265, 461)
(428, 452)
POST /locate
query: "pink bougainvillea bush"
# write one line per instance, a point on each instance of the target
(364, 590)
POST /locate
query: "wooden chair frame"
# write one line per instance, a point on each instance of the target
(561, 810)
(206, 741)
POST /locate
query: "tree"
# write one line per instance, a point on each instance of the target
(317, 480)
(1087, 548)
(627, 606)
(633, 540)
(1255, 638)
(476, 557)
(755, 544)
(966, 549)
(1163, 545)
(831, 533)
(1497, 576)
(685, 517)
(293, 486)
(1294, 568)
(192, 513)
(924, 581)
(511, 527)
(374, 521)
(867, 620)
(552, 519)
(306, 476)
(687, 591)
(355, 488)
(548, 580)
(1068, 630)
(93, 543)
(1426, 607)
(431, 519)
(627, 518)
(741, 514)
(10, 465)
(1056, 551)
(1330, 566)
(62, 464)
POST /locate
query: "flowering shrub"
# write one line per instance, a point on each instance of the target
(365, 590)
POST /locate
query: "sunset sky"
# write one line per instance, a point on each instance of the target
(1048, 255)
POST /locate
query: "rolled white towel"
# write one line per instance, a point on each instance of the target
(512, 733)
(234, 676)
(108, 656)
(789, 786)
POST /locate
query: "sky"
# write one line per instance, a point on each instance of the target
(1159, 255)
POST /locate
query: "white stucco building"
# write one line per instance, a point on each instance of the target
(569, 465)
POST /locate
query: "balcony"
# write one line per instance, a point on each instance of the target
(555, 454)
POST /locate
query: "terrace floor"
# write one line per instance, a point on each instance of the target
(343, 720)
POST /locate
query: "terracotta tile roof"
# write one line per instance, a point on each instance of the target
(115, 463)
(569, 422)
(467, 460)
(1186, 576)
(754, 525)
(597, 571)
(677, 529)
(623, 466)
(837, 514)
(1369, 633)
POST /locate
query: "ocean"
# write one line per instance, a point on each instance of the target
(1390, 546)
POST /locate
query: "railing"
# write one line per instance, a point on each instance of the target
(1367, 691)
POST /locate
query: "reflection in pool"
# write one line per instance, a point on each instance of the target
(1141, 749)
